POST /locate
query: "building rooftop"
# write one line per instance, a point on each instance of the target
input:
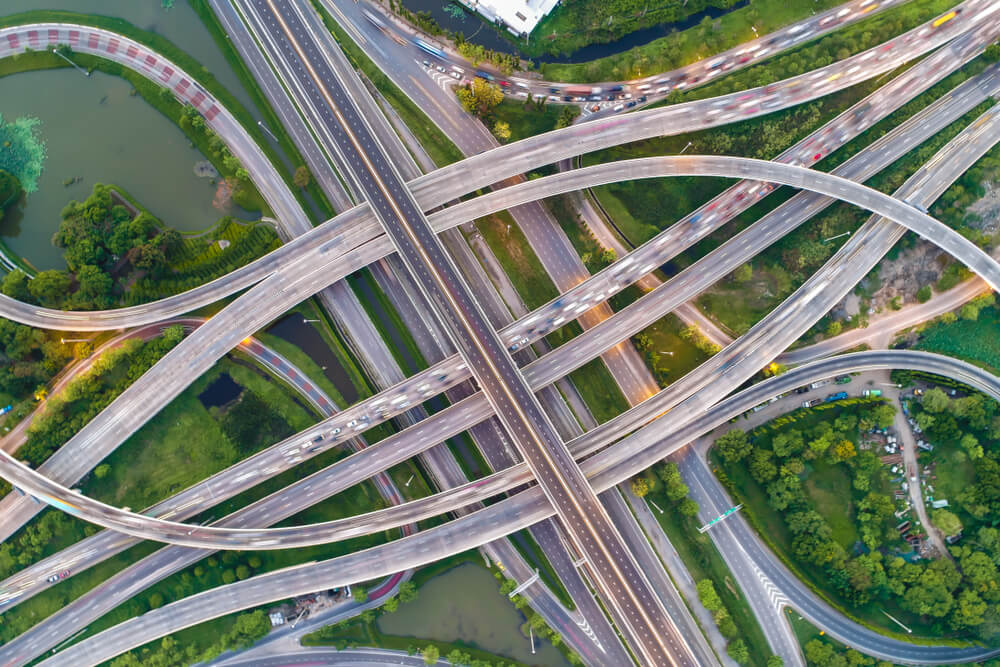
(518, 16)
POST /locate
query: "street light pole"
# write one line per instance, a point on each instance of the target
(264, 127)
(78, 68)
(308, 321)
(836, 237)
(685, 148)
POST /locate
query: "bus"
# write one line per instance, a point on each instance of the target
(944, 19)
(433, 50)
(374, 20)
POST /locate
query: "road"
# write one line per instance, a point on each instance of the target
(504, 517)
(391, 54)
(638, 611)
(498, 164)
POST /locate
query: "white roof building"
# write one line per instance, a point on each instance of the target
(519, 16)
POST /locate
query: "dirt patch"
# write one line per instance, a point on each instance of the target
(224, 194)
(985, 213)
(912, 269)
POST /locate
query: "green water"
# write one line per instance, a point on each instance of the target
(179, 24)
(464, 604)
(94, 129)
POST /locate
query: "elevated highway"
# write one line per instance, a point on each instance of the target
(905, 215)
(449, 183)
(515, 513)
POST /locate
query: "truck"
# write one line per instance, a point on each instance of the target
(6, 409)
(839, 396)
(813, 403)
(842, 379)
(871, 393)
(819, 383)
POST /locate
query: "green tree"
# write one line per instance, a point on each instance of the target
(359, 594)
(738, 651)
(743, 273)
(787, 443)
(302, 177)
(734, 445)
(391, 604)
(50, 288)
(947, 522)
(15, 285)
(501, 130)
(228, 577)
(94, 290)
(431, 652)
(407, 591)
(640, 486)
(761, 467)
(708, 595)
(834, 328)
(242, 572)
(924, 294)
(480, 97)
(688, 507)
(935, 400)
(775, 661)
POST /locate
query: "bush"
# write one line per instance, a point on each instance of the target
(924, 294)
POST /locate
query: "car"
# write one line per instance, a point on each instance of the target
(567, 98)
(52, 579)
(439, 68)
(619, 107)
(426, 64)
(352, 423)
(802, 390)
(318, 438)
(455, 75)
(642, 99)
(335, 431)
(631, 104)
(817, 156)
(554, 91)
(64, 574)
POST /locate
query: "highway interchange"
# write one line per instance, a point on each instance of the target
(876, 240)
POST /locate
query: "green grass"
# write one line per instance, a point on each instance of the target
(976, 341)
(598, 389)
(184, 443)
(681, 48)
(829, 487)
(518, 259)
(665, 337)
(526, 120)
(439, 147)
(179, 57)
(703, 561)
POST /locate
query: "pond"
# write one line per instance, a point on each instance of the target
(465, 605)
(294, 329)
(479, 31)
(179, 24)
(222, 390)
(95, 129)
